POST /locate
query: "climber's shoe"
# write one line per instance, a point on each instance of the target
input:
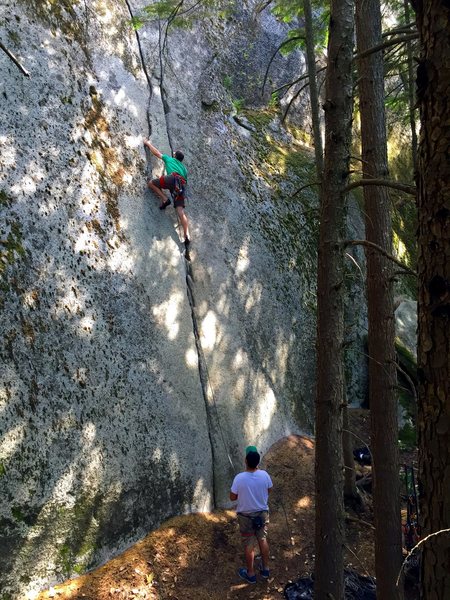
(243, 574)
(187, 243)
(165, 204)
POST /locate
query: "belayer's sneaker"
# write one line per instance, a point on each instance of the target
(246, 577)
(265, 573)
(165, 204)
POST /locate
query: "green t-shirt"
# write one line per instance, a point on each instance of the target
(174, 166)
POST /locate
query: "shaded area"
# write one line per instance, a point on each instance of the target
(196, 557)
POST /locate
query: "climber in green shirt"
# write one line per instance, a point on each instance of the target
(174, 180)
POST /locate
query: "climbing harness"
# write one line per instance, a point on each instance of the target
(179, 190)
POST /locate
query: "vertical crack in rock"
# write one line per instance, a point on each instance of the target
(165, 104)
(214, 426)
(144, 68)
(208, 394)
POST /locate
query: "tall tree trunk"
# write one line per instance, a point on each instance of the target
(411, 94)
(313, 93)
(330, 295)
(380, 306)
(433, 182)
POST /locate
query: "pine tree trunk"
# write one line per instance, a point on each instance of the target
(410, 90)
(433, 80)
(330, 295)
(380, 307)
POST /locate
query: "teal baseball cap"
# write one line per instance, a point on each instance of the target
(250, 449)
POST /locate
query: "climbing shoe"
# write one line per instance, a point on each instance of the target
(165, 204)
(246, 577)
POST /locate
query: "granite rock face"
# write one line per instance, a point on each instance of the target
(131, 380)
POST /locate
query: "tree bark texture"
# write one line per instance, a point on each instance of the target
(411, 92)
(433, 182)
(313, 93)
(380, 306)
(330, 298)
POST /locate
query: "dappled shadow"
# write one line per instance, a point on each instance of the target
(104, 430)
(197, 557)
(88, 395)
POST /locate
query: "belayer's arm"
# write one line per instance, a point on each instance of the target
(152, 149)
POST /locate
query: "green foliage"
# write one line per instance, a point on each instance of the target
(295, 39)
(407, 437)
(274, 102)
(227, 82)
(17, 513)
(238, 104)
(290, 11)
(5, 200)
(182, 13)
(12, 247)
(14, 37)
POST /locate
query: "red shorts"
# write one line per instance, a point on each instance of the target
(167, 182)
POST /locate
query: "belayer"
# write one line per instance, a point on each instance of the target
(251, 490)
(174, 180)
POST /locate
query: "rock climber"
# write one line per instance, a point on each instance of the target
(251, 490)
(174, 180)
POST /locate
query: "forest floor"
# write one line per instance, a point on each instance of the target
(196, 557)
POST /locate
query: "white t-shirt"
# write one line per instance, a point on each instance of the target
(252, 490)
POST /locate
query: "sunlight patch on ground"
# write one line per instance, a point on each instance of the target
(191, 358)
(304, 502)
(157, 454)
(168, 314)
(9, 153)
(243, 261)
(202, 497)
(121, 99)
(209, 331)
(86, 326)
(260, 419)
(11, 440)
(239, 387)
(238, 360)
(121, 260)
(254, 295)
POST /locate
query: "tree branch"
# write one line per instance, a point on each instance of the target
(305, 186)
(415, 548)
(289, 85)
(408, 189)
(293, 39)
(14, 59)
(381, 251)
(388, 44)
(291, 101)
(401, 29)
(409, 380)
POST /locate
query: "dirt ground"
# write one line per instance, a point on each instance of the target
(196, 557)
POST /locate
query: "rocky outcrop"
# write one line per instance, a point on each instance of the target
(132, 381)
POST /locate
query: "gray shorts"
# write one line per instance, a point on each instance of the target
(248, 534)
